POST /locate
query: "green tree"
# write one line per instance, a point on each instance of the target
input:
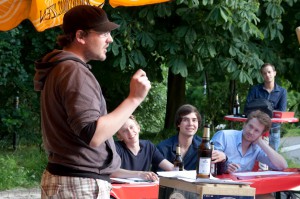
(20, 47)
(227, 40)
(180, 44)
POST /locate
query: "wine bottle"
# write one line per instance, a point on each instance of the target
(213, 167)
(236, 106)
(204, 155)
(178, 162)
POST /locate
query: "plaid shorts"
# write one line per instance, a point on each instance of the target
(56, 187)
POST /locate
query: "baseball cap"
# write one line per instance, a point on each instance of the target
(84, 17)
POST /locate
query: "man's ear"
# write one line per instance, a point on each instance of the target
(139, 128)
(119, 137)
(80, 35)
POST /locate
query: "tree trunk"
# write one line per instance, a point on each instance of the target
(232, 88)
(175, 97)
(15, 140)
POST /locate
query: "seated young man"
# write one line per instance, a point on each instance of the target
(187, 122)
(244, 147)
(138, 154)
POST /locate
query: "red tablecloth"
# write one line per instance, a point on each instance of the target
(262, 184)
(135, 191)
(274, 120)
(270, 184)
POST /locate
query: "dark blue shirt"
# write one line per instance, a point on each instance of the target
(147, 156)
(168, 149)
(277, 97)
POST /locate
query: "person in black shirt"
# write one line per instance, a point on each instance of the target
(138, 154)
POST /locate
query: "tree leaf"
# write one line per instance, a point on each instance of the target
(178, 66)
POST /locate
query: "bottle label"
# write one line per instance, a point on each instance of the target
(236, 110)
(262, 167)
(204, 165)
(178, 166)
(212, 168)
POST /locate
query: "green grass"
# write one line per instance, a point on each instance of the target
(292, 164)
(21, 168)
(291, 130)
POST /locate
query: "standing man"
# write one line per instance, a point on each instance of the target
(275, 94)
(77, 130)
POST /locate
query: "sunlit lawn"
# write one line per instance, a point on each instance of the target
(21, 168)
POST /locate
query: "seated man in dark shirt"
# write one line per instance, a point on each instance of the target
(187, 121)
(138, 154)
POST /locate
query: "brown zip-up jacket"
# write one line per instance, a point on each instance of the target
(71, 98)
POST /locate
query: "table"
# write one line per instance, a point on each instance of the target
(274, 120)
(262, 184)
(271, 184)
(135, 191)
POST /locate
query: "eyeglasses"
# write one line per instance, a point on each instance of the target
(101, 34)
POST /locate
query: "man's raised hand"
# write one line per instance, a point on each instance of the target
(139, 86)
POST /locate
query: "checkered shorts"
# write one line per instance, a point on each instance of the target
(58, 187)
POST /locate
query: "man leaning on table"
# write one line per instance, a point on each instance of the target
(275, 94)
(244, 147)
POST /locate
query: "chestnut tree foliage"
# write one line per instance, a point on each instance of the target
(180, 44)
(223, 43)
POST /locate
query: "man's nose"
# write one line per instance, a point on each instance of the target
(190, 121)
(130, 132)
(251, 131)
(110, 39)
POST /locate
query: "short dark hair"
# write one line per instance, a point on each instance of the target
(265, 65)
(185, 110)
(66, 39)
(262, 117)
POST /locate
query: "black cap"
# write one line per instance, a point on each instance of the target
(84, 17)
